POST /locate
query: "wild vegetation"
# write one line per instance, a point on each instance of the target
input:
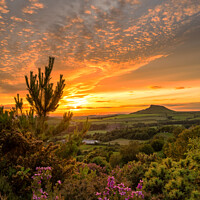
(45, 158)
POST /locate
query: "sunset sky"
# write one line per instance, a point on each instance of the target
(117, 56)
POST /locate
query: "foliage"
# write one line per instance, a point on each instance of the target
(157, 144)
(27, 122)
(6, 189)
(100, 171)
(83, 184)
(119, 191)
(127, 133)
(129, 152)
(101, 162)
(41, 95)
(115, 160)
(193, 150)
(147, 149)
(6, 119)
(134, 171)
(177, 148)
(174, 180)
(42, 187)
(19, 153)
(73, 140)
(18, 103)
(52, 131)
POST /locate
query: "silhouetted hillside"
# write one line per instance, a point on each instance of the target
(155, 109)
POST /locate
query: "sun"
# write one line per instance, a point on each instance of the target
(75, 104)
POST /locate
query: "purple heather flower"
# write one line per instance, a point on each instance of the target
(106, 193)
(34, 196)
(139, 186)
(59, 182)
(122, 193)
(140, 194)
(121, 184)
(49, 176)
(98, 193)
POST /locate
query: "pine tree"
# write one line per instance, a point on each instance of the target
(42, 97)
(18, 104)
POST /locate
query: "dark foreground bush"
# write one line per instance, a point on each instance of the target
(21, 154)
(84, 184)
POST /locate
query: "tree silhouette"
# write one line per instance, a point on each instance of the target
(42, 97)
(18, 104)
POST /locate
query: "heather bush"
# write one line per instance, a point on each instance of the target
(119, 191)
(83, 184)
(134, 171)
(19, 156)
(42, 187)
(101, 161)
(100, 171)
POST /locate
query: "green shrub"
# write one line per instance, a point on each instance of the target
(147, 149)
(115, 160)
(177, 148)
(157, 144)
(133, 171)
(129, 152)
(101, 162)
(83, 185)
(174, 180)
(6, 189)
(21, 154)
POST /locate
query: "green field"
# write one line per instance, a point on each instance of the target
(90, 147)
(165, 135)
(97, 131)
(122, 121)
(122, 141)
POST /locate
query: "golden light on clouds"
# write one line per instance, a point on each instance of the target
(116, 55)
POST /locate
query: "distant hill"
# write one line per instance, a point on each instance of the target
(155, 109)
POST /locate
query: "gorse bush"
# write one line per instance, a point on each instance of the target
(177, 148)
(134, 171)
(174, 180)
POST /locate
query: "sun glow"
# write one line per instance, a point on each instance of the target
(75, 103)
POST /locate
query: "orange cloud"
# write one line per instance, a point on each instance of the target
(35, 5)
(155, 87)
